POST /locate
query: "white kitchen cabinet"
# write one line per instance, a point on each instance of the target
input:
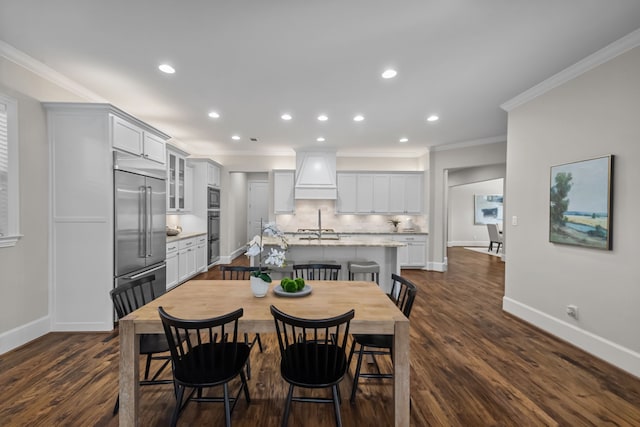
(379, 193)
(176, 179)
(131, 138)
(173, 277)
(347, 191)
(415, 253)
(283, 191)
(213, 175)
(186, 259)
(406, 193)
(81, 234)
(201, 254)
(188, 189)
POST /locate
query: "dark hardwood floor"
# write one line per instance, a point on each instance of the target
(471, 365)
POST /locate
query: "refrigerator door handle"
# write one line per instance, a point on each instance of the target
(142, 222)
(144, 273)
(149, 215)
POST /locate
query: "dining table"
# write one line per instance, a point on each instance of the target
(375, 313)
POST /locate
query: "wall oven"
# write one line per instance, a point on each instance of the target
(213, 232)
(213, 198)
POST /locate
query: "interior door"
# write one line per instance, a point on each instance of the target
(257, 207)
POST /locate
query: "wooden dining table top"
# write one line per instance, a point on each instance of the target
(200, 299)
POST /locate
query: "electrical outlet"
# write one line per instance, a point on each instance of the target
(572, 311)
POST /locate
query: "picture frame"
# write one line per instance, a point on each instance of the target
(488, 209)
(580, 203)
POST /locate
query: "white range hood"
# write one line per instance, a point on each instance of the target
(316, 174)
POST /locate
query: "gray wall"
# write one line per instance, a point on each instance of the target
(592, 115)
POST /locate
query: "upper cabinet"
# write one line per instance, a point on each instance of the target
(283, 189)
(129, 137)
(213, 175)
(178, 186)
(379, 193)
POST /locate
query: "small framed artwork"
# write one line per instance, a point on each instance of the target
(487, 209)
(580, 203)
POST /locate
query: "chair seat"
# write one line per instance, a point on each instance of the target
(378, 341)
(330, 360)
(153, 343)
(208, 371)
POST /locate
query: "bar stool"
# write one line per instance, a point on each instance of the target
(365, 267)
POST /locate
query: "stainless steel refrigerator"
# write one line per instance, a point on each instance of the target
(140, 220)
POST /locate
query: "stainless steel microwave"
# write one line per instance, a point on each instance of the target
(213, 198)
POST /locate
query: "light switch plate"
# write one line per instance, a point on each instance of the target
(514, 220)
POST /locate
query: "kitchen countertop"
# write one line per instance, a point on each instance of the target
(182, 236)
(344, 242)
(358, 233)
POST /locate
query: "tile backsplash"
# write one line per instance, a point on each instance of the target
(306, 216)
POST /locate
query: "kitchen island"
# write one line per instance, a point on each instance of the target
(342, 250)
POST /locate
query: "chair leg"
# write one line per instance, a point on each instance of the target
(336, 405)
(357, 375)
(116, 407)
(490, 246)
(227, 407)
(246, 341)
(287, 407)
(259, 342)
(246, 387)
(176, 411)
(147, 367)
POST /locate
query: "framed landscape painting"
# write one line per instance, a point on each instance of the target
(487, 209)
(580, 203)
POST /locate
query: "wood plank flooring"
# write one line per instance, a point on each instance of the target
(471, 365)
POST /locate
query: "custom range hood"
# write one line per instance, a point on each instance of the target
(316, 174)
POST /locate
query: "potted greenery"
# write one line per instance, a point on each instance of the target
(261, 279)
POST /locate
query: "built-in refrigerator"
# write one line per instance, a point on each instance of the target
(139, 220)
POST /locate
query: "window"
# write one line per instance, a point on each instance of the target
(9, 200)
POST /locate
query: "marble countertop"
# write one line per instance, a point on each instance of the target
(358, 233)
(182, 236)
(334, 242)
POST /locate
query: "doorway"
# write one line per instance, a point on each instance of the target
(257, 206)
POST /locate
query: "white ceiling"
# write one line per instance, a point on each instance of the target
(253, 60)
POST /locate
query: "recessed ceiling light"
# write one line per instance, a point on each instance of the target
(403, 140)
(214, 115)
(286, 116)
(433, 118)
(358, 118)
(235, 137)
(389, 73)
(320, 139)
(323, 117)
(166, 68)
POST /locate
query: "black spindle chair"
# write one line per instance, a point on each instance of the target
(313, 355)
(128, 298)
(317, 271)
(206, 353)
(403, 293)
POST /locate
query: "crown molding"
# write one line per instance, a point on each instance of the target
(472, 143)
(607, 53)
(25, 61)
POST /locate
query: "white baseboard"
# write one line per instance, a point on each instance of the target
(24, 333)
(468, 243)
(606, 350)
(437, 266)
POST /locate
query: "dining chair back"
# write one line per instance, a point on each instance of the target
(403, 294)
(317, 271)
(494, 236)
(206, 353)
(128, 298)
(313, 355)
(237, 272)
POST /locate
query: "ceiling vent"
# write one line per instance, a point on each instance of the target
(316, 174)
